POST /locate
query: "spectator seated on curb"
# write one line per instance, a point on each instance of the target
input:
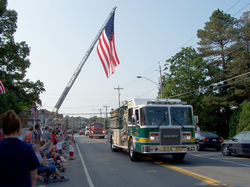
(46, 166)
(58, 161)
(45, 147)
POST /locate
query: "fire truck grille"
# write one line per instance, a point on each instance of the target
(170, 137)
(98, 131)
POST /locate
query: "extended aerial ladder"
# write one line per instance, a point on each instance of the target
(78, 70)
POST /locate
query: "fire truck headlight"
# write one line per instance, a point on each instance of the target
(154, 136)
(103, 132)
(186, 135)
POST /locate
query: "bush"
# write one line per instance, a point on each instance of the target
(244, 117)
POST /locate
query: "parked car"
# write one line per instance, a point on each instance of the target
(239, 144)
(82, 131)
(206, 139)
(23, 132)
(87, 131)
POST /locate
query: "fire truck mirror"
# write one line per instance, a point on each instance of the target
(196, 119)
(133, 118)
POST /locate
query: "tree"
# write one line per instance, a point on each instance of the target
(186, 77)
(66, 122)
(215, 48)
(240, 62)
(14, 63)
(244, 119)
(215, 38)
(186, 73)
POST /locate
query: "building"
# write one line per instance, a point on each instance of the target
(43, 116)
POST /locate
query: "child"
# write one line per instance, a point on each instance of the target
(71, 150)
(58, 161)
(59, 147)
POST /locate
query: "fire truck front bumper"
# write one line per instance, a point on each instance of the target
(97, 135)
(157, 149)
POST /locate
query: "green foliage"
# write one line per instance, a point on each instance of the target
(233, 123)
(66, 122)
(185, 73)
(22, 93)
(8, 101)
(244, 120)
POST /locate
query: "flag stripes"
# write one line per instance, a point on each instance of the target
(33, 111)
(106, 49)
(2, 88)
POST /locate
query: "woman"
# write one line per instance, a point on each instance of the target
(18, 161)
(28, 135)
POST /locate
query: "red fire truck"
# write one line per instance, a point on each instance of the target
(96, 130)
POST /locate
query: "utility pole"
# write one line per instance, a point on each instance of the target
(119, 97)
(100, 112)
(160, 81)
(106, 111)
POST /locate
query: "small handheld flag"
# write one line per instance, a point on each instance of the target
(33, 111)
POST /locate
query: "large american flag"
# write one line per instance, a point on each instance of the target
(106, 48)
(33, 111)
(2, 88)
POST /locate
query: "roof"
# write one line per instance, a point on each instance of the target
(143, 101)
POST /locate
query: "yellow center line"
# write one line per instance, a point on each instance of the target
(194, 175)
(100, 141)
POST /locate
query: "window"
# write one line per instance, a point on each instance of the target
(208, 134)
(155, 116)
(247, 136)
(181, 116)
(239, 136)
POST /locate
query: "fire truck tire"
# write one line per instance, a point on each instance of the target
(178, 156)
(134, 156)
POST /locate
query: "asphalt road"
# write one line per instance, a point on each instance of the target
(95, 165)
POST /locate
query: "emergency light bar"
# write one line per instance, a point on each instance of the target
(167, 102)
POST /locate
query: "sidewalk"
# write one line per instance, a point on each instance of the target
(74, 171)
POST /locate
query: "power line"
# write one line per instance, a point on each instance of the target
(233, 6)
(215, 84)
(241, 9)
(147, 92)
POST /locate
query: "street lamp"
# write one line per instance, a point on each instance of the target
(139, 77)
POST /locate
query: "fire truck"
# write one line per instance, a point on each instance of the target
(150, 127)
(96, 130)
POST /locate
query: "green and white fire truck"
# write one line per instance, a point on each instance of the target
(148, 126)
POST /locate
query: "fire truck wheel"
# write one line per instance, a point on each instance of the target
(178, 156)
(134, 156)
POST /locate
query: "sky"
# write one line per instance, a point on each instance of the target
(147, 33)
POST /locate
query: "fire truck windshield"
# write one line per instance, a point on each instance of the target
(181, 116)
(97, 125)
(154, 116)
